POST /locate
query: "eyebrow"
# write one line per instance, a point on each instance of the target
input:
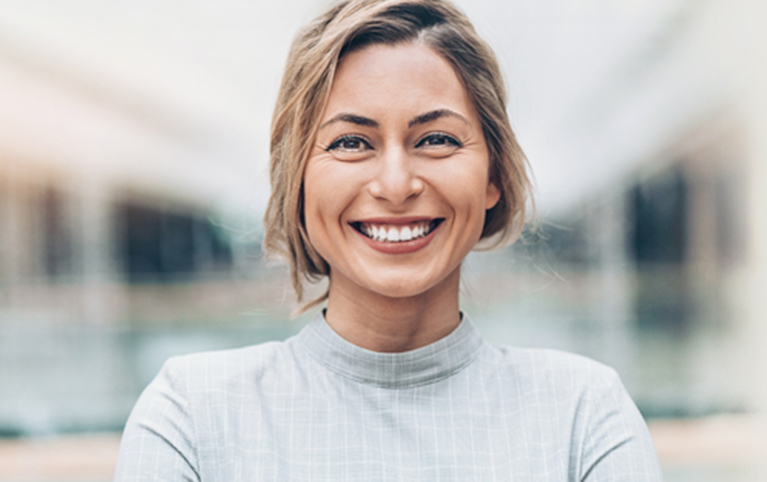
(434, 115)
(351, 118)
(418, 120)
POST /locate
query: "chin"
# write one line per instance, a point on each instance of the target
(404, 287)
(399, 292)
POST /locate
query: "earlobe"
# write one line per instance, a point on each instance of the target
(492, 196)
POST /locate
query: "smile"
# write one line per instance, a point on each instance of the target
(389, 233)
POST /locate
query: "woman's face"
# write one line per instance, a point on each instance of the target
(396, 186)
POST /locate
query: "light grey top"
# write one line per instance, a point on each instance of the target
(318, 408)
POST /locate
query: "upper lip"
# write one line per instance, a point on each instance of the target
(395, 221)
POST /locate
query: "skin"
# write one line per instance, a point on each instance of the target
(399, 141)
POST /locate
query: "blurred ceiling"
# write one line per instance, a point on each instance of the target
(180, 93)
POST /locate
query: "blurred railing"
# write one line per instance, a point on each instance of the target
(722, 448)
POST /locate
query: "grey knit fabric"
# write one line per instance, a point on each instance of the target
(318, 408)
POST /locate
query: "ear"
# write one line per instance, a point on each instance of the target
(492, 195)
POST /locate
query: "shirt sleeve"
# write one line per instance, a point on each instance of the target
(617, 445)
(158, 443)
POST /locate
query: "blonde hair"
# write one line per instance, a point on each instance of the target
(314, 56)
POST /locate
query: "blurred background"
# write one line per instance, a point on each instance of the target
(133, 151)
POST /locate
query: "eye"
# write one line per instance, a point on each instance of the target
(349, 143)
(438, 139)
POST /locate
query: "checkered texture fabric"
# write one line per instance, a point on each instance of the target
(317, 408)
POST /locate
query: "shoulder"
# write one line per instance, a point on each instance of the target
(184, 410)
(207, 372)
(557, 384)
(585, 403)
(550, 370)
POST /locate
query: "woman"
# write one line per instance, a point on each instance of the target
(392, 157)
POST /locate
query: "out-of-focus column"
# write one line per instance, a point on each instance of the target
(751, 76)
(102, 300)
(614, 309)
(758, 288)
(736, 44)
(5, 250)
(756, 329)
(21, 232)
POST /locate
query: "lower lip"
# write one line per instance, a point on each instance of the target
(401, 247)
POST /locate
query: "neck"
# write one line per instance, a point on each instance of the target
(393, 324)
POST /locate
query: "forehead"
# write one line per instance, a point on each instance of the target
(389, 78)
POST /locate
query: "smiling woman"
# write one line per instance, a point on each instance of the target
(400, 151)
(392, 158)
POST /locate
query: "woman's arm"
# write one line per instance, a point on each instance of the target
(158, 443)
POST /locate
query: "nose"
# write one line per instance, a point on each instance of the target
(395, 179)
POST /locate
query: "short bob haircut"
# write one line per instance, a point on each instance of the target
(314, 56)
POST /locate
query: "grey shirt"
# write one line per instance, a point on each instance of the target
(318, 408)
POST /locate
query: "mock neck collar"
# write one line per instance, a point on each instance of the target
(421, 366)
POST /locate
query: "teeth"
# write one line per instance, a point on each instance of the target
(395, 234)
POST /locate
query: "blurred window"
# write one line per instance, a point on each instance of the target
(176, 243)
(658, 245)
(57, 233)
(220, 248)
(141, 242)
(158, 245)
(659, 233)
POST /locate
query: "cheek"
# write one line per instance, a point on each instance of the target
(313, 200)
(466, 188)
(315, 204)
(325, 200)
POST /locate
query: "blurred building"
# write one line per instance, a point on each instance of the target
(661, 257)
(651, 256)
(104, 228)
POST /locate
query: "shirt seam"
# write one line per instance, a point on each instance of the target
(394, 386)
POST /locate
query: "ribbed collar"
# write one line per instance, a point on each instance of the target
(424, 365)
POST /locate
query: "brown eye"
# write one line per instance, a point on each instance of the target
(438, 140)
(350, 144)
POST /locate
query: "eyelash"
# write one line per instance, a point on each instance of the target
(338, 143)
(441, 136)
